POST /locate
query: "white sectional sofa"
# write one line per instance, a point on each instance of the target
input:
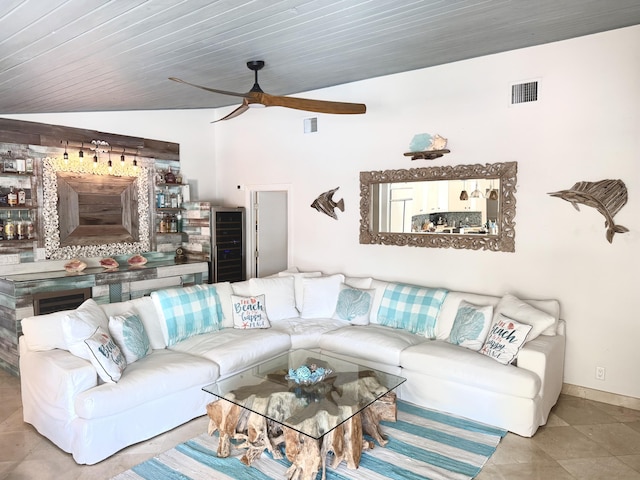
(454, 348)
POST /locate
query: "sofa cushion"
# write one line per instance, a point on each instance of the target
(45, 332)
(249, 312)
(471, 325)
(235, 350)
(441, 359)
(516, 309)
(505, 339)
(305, 333)
(105, 355)
(354, 305)
(146, 310)
(156, 375)
(280, 297)
(450, 306)
(80, 324)
(320, 296)
(298, 278)
(129, 334)
(411, 308)
(188, 311)
(372, 342)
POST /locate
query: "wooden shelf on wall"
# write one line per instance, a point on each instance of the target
(427, 154)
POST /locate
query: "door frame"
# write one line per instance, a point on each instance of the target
(251, 221)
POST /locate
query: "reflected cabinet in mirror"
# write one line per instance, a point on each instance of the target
(462, 206)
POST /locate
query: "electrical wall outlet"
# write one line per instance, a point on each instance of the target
(600, 373)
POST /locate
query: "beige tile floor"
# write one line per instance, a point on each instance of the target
(583, 440)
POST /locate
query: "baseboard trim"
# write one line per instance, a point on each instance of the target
(600, 396)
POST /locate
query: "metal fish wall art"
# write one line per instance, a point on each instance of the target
(606, 196)
(325, 203)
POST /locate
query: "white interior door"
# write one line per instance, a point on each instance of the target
(271, 232)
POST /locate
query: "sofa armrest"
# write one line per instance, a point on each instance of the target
(544, 356)
(51, 380)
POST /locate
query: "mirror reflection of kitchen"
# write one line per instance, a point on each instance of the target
(439, 206)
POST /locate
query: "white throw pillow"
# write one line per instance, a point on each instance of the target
(130, 335)
(249, 312)
(298, 279)
(505, 339)
(279, 295)
(354, 305)
(471, 325)
(514, 308)
(320, 296)
(80, 324)
(105, 355)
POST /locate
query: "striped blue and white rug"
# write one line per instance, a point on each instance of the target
(423, 444)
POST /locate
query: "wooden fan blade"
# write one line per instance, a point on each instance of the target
(238, 111)
(213, 90)
(320, 106)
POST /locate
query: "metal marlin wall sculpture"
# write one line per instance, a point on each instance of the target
(325, 204)
(606, 196)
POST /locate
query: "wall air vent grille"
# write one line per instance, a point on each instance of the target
(524, 92)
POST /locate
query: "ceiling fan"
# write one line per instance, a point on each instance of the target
(257, 97)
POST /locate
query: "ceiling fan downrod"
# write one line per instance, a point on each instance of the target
(255, 65)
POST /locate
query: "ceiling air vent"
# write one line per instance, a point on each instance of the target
(524, 92)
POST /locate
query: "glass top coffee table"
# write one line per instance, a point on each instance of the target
(311, 402)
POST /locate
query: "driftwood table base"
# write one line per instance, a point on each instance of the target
(306, 454)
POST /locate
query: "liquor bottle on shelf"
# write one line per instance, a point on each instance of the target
(169, 177)
(1, 229)
(22, 197)
(9, 228)
(12, 197)
(31, 228)
(20, 228)
(160, 199)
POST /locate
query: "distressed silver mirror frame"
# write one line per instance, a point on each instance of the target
(504, 241)
(51, 216)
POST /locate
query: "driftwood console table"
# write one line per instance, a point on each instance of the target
(264, 411)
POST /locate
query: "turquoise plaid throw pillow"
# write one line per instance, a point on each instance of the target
(189, 311)
(411, 308)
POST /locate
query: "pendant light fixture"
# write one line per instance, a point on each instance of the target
(476, 193)
(493, 194)
(463, 194)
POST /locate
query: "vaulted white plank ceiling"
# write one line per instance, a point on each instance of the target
(101, 55)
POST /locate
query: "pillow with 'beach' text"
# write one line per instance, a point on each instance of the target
(249, 312)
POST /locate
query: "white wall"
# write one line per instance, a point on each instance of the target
(585, 127)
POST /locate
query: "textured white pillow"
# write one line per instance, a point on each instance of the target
(81, 323)
(105, 355)
(471, 325)
(249, 312)
(354, 305)
(514, 308)
(320, 296)
(279, 295)
(130, 335)
(298, 279)
(505, 339)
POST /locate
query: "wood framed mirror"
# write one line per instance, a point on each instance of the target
(463, 206)
(91, 211)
